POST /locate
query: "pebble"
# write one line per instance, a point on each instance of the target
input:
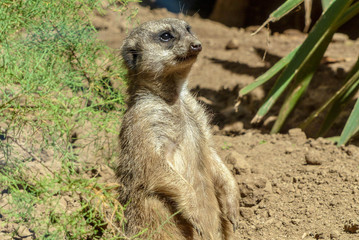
(340, 37)
(351, 226)
(297, 132)
(334, 235)
(246, 213)
(313, 158)
(240, 165)
(232, 44)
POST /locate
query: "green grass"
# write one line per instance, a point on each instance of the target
(226, 146)
(61, 101)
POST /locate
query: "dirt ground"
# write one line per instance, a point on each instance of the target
(292, 186)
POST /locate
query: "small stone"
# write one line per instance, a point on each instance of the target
(295, 221)
(240, 165)
(334, 235)
(351, 226)
(297, 132)
(278, 224)
(289, 150)
(234, 127)
(4, 236)
(340, 37)
(232, 44)
(260, 182)
(313, 158)
(293, 32)
(253, 188)
(319, 236)
(246, 213)
(23, 232)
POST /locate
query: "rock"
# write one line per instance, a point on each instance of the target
(297, 132)
(334, 234)
(295, 221)
(319, 236)
(313, 158)
(24, 232)
(293, 32)
(351, 226)
(4, 236)
(246, 213)
(253, 189)
(234, 127)
(289, 150)
(240, 165)
(232, 44)
(340, 37)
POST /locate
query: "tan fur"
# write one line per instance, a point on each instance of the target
(173, 181)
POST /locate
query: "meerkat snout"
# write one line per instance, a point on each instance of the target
(196, 47)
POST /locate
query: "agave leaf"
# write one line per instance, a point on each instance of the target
(352, 11)
(337, 101)
(352, 125)
(283, 10)
(268, 74)
(323, 28)
(340, 100)
(325, 4)
(302, 80)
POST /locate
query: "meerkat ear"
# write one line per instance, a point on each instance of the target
(130, 55)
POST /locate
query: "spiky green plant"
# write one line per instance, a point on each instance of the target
(299, 66)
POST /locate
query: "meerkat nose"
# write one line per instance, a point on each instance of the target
(196, 47)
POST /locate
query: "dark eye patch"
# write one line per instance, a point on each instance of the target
(188, 28)
(166, 36)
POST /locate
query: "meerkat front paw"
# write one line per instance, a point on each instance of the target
(199, 230)
(199, 226)
(234, 219)
(233, 213)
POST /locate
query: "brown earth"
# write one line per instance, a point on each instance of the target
(292, 186)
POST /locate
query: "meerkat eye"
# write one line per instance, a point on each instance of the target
(188, 28)
(165, 37)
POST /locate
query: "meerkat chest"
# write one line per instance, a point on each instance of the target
(191, 126)
(188, 146)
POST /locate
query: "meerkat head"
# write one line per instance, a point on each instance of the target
(161, 47)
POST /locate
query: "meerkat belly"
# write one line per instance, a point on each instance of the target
(187, 151)
(188, 160)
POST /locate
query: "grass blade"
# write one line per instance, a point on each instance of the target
(268, 74)
(283, 10)
(352, 125)
(322, 28)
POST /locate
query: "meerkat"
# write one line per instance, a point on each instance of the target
(175, 186)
